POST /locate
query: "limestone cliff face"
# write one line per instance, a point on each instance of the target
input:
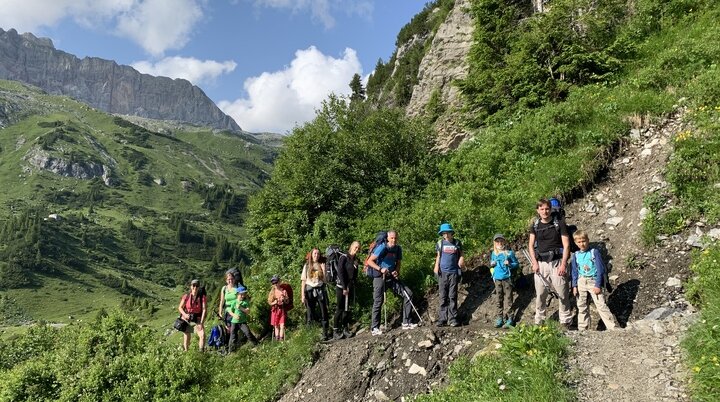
(106, 85)
(445, 62)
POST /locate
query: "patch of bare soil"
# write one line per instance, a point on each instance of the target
(639, 362)
(389, 366)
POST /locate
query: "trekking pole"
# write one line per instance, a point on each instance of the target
(347, 301)
(384, 303)
(412, 305)
(548, 287)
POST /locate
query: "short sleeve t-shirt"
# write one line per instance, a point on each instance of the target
(586, 263)
(547, 236)
(314, 276)
(237, 310)
(388, 257)
(449, 255)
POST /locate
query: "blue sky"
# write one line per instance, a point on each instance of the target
(267, 63)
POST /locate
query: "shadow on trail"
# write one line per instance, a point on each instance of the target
(621, 301)
(477, 285)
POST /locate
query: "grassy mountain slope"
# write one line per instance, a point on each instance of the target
(139, 211)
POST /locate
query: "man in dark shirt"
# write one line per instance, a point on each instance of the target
(549, 262)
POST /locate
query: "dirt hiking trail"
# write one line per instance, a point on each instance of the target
(639, 362)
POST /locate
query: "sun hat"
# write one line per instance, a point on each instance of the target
(445, 227)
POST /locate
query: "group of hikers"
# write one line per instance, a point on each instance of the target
(558, 272)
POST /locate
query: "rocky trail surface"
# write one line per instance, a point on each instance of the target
(639, 362)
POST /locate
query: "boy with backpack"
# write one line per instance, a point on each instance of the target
(239, 312)
(448, 262)
(502, 262)
(588, 273)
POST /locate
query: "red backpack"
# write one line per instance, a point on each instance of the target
(288, 289)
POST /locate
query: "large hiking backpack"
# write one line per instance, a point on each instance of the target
(237, 275)
(288, 289)
(380, 238)
(332, 261)
(218, 335)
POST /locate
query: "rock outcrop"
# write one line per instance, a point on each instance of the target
(445, 62)
(106, 85)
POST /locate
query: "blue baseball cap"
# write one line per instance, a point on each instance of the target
(240, 289)
(445, 227)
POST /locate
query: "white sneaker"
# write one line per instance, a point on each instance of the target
(409, 325)
(376, 332)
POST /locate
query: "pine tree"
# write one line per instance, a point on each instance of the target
(358, 91)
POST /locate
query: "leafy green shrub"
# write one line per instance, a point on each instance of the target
(703, 340)
(115, 358)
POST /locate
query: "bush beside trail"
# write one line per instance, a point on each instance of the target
(115, 358)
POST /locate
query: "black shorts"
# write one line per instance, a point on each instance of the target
(194, 317)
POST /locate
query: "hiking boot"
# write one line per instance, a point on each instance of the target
(439, 323)
(409, 325)
(338, 335)
(376, 332)
(454, 324)
(347, 334)
(508, 324)
(499, 322)
(567, 326)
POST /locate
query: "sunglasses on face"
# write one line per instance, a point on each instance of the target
(194, 285)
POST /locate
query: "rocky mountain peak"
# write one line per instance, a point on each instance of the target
(106, 85)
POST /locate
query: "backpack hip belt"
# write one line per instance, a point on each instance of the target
(550, 256)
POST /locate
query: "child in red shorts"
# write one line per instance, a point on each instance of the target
(280, 302)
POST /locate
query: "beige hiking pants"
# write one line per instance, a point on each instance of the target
(585, 286)
(549, 271)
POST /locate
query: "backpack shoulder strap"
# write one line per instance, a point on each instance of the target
(536, 223)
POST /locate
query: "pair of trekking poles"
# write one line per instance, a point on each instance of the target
(405, 295)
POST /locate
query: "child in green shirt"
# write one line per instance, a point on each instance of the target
(239, 312)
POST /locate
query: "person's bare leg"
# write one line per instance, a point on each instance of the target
(186, 340)
(201, 334)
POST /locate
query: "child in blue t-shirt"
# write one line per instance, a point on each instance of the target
(588, 273)
(502, 262)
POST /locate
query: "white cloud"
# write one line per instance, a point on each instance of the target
(194, 70)
(277, 101)
(158, 25)
(155, 25)
(321, 10)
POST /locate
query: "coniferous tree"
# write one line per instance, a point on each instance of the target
(358, 91)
